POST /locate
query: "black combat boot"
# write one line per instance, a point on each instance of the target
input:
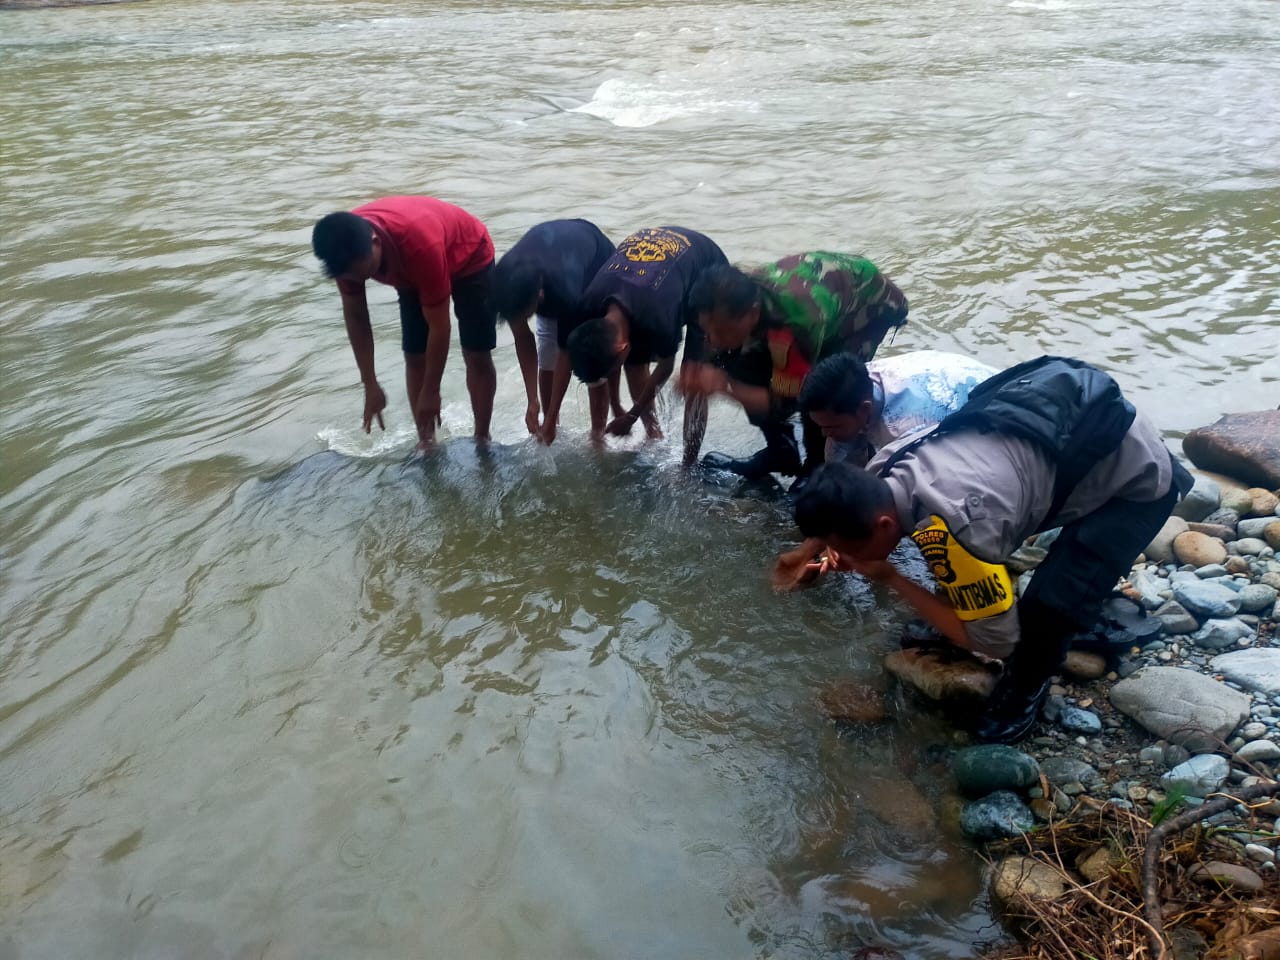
(1012, 709)
(782, 455)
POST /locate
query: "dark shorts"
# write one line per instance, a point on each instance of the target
(477, 318)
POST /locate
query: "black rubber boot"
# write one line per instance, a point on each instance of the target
(782, 455)
(1011, 711)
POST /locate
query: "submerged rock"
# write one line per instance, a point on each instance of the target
(898, 804)
(853, 702)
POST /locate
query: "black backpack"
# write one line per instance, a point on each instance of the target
(1073, 411)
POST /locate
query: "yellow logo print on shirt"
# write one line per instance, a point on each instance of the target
(653, 246)
(975, 589)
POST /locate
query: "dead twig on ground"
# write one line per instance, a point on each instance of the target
(1151, 851)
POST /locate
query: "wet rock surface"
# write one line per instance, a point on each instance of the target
(1242, 445)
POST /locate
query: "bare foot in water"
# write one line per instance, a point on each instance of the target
(651, 428)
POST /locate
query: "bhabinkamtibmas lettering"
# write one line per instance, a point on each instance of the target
(986, 592)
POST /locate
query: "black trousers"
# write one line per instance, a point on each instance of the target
(1066, 595)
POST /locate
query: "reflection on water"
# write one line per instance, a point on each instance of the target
(273, 688)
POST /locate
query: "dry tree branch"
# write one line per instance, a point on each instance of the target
(1150, 887)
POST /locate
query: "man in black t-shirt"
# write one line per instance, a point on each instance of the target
(546, 273)
(640, 301)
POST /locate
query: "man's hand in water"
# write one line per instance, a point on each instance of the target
(427, 413)
(801, 566)
(701, 380)
(621, 426)
(375, 401)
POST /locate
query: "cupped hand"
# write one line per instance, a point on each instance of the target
(701, 379)
(797, 568)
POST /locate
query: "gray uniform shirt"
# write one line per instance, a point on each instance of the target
(993, 491)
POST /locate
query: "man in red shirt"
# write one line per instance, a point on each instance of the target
(429, 251)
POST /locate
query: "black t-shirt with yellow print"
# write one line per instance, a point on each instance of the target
(650, 276)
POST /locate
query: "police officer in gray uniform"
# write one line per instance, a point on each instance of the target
(1048, 443)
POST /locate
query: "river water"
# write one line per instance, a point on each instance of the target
(270, 689)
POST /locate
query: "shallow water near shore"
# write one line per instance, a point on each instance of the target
(271, 688)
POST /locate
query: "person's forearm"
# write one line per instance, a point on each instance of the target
(661, 373)
(598, 404)
(754, 400)
(809, 548)
(559, 387)
(695, 427)
(527, 357)
(437, 354)
(360, 334)
(936, 611)
(615, 393)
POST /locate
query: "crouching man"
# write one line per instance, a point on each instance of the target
(1047, 443)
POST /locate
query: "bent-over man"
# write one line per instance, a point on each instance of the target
(640, 303)
(1047, 443)
(768, 328)
(430, 251)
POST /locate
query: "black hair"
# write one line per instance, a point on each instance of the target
(842, 499)
(838, 384)
(593, 349)
(340, 239)
(514, 286)
(726, 287)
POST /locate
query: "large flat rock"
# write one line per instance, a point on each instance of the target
(1182, 706)
(1241, 445)
(1255, 669)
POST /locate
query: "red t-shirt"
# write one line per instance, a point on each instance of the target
(425, 242)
